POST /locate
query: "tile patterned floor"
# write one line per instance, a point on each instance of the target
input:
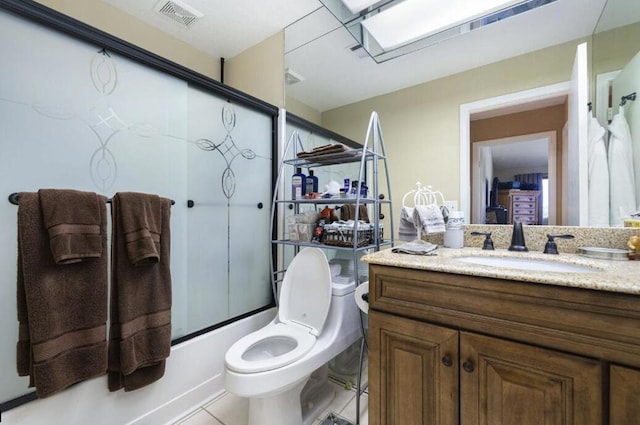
(229, 409)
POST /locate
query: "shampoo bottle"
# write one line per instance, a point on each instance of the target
(312, 183)
(298, 184)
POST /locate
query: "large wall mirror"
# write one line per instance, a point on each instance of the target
(525, 143)
(521, 164)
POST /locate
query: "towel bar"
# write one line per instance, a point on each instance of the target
(14, 197)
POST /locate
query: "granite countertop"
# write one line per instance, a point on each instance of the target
(609, 275)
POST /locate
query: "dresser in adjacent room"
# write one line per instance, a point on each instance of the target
(522, 205)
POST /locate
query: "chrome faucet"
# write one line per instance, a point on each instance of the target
(517, 238)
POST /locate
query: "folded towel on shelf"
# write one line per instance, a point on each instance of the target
(324, 150)
(428, 219)
(416, 247)
(406, 230)
(72, 219)
(62, 308)
(348, 212)
(140, 333)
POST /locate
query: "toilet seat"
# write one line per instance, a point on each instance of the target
(258, 351)
(305, 298)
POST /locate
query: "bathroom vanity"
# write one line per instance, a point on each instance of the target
(453, 342)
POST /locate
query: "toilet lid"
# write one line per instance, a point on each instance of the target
(305, 295)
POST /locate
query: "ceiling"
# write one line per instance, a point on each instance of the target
(318, 48)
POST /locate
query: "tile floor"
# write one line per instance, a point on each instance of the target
(229, 409)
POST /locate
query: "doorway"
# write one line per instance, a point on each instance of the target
(500, 160)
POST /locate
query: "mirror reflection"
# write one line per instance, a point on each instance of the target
(525, 141)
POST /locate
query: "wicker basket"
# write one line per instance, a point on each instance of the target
(342, 234)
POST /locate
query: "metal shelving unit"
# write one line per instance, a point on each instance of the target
(371, 157)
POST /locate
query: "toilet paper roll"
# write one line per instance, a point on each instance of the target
(362, 289)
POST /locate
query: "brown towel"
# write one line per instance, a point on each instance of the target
(141, 223)
(72, 219)
(324, 150)
(348, 212)
(140, 334)
(62, 309)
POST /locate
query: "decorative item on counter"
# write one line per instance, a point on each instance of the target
(634, 246)
(632, 222)
(298, 184)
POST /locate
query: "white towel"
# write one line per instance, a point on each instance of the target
(407, 229)
(417, 247)
(428, 219)
(598, 175)
(622, 190)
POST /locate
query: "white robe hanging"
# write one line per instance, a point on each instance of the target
(622, 190)
(598, 175)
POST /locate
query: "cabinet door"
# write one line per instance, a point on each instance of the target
(507, 383)
(624, 396)
(413, 372)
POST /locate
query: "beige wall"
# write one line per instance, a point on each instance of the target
(613, 49)
(303, 110)
(421, 124)
(259, 70)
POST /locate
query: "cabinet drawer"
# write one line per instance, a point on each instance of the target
(526, 219)
(524, 211)
(524, 198)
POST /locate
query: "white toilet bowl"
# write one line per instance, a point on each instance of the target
(316, 321)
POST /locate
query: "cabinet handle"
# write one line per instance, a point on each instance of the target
(468, 366)
(260, 205)
(446, 360)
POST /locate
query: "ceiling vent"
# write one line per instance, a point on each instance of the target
(357, 51)
(178, 11)
(291, 77)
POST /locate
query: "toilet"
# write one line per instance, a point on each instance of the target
(316, 321)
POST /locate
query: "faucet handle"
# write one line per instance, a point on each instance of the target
(551, 247)
(488, 243)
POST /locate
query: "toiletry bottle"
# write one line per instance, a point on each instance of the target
(347, 186)
(354, 189)
(298, 184)
(312, 183)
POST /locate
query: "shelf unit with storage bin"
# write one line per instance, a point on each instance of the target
(356, 240)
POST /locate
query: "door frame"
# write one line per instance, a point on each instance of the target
(497, 102)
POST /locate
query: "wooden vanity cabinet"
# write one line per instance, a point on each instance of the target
(450, 349)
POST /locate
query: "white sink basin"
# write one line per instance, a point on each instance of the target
(527, 264)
